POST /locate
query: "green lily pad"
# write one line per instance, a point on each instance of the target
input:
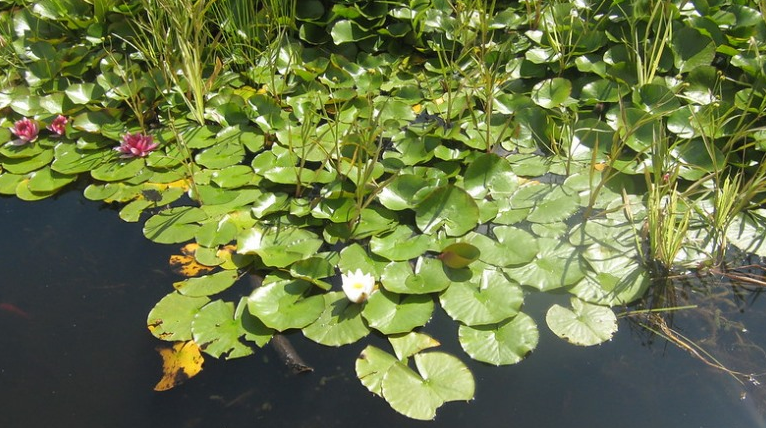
(400, 244)
(428, 276)
(408, 344)
(217, 331)
(174, 225)
(691, 49)
(339, 324)
(557, 265)
(513, 247)
(371, 365)
(48, 180)
(488, 298)
(313, 269)
(449, 207)
(119, 170)
(500, 344)
(748, 232)
(279, 246)
(551, 92)
(585, 324)
(392, 313)
(459, 255)
(171, 317)
(405, 191)
(207, 285)
(440, 378)
(490, 174)
(283, 304)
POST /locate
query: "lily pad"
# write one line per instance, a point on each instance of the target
(585, 324)
(489, 298)
(207, 285)
(171, 317)
(504, 343)
(283, 304)
(217, 332)
(279, 246)
(449, 207)
(339, 324)
(440, 378)
(392, 313)
(556, 265)
(174, 225)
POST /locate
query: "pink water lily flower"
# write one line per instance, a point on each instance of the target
(136, 145)
(26, 129)
(58, 126)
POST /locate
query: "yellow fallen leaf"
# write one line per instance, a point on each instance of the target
(185, 264)
(182, 361)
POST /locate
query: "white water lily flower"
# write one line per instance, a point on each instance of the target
(358, 285)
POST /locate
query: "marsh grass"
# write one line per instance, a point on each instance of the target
(254, 38)
(174, 37)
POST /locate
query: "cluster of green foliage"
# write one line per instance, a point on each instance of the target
(464, 153)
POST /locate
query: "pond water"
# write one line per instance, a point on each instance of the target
(77, 284)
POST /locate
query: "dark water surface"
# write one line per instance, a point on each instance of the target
(77, 284)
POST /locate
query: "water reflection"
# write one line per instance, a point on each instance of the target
(82, 356)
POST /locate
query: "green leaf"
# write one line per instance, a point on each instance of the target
(585, 324)
(400, 244)
(47, 180)
(283, 304)
(174, 225)
(429, 276)
(691, 49)
(557, 265)
(505, 343)
(207, 285)
(449, 207)
(392, 313)
(171, 317)
(84, 93)
(217, 332)
(408, 344)
(441, 378)
(405, 191)
(371, 365)
(459, 255)
(339, 324)
(551, 93)
(278, 246)
(488, 298)
(490, 174)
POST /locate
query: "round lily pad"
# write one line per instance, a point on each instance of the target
(217, 332)
(339, 324)
(282, 304)
(585, 324)
(440, 378)
(171, 317)
(392, 313)
(449, 207)
(174, 225)
(505, 343)
(207, 285)
(488, 298)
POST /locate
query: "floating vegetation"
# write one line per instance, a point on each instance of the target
(348, 168)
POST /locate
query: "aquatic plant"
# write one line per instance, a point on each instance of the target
(26, 130)
(358, 286)
(136, 145)
(460, 155)
(58, 125)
